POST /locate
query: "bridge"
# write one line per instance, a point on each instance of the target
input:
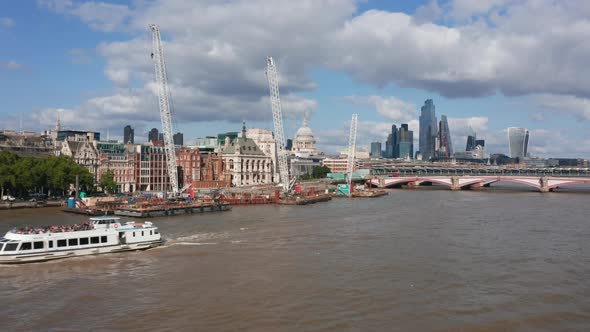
(457, 182)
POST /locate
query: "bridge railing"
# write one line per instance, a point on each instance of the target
(553, 172)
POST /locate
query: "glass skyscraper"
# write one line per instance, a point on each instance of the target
(445, 148)
(406, 142)
(128, 135)
(518, 141)
(428, 130)
(376, 149)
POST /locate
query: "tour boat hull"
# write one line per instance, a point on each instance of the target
(54, 255)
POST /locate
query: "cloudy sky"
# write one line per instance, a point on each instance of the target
(487, 64)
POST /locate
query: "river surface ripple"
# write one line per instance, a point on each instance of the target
(411, 261)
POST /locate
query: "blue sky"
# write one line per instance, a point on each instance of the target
(488, 65)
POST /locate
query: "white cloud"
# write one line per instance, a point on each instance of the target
(465, 9)
(579, 107)
(6, 22)
(215, 51)
(10, 65)
(390, 108)
(428, 13)
(98, 15)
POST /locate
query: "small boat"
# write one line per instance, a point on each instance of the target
(101, 235)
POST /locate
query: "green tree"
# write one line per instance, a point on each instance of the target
(7, 175)
(107, 182)
(320, 172)
(50, 175)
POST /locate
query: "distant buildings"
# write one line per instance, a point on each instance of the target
(304, 142)
(445, 146)
(405, 147)
(77, 135)
(128, 135)
(178, 139)
(304, 154)
(289, 145)
(518, 141)
(428, 130)
(153, 135)
(376, 149)
(246, 163)
(265, 140)
(400, 143)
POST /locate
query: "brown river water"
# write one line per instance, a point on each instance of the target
(416, 260)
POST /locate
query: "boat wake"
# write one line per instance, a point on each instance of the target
(172, 244)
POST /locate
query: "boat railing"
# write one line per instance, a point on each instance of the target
(85, 226)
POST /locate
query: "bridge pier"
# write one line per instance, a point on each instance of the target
(544, 185)
(455, 185)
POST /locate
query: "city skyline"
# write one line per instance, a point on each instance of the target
(99, 77)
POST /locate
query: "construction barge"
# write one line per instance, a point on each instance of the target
(369, 193)
(170, 210)
(305, 200)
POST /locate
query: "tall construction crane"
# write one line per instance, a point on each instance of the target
(351, 151)
(164, 103)
(277, 117)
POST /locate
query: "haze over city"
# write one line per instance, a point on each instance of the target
(488, 65)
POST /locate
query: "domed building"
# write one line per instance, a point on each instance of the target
(304, 142)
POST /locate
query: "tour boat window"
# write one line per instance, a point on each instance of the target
(11, 246)
(102, 222)
(156, 232)
(25, 246)
(50, 244)
(83, 241)
(150, 232)
(62, 243)
(94, 239)
(133, 234)
(38, 245)
(141, 233)
(72, 242)
(103, 239)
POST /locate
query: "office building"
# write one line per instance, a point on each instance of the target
(445, 146)
(128, 135)
(376, 149)
(428, 130)
(518, 140)
(153, 135)
(406, 142)
(178, 139)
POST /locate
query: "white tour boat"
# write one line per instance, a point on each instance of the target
(99, 236)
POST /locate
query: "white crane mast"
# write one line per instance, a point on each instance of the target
(277, 117)
(351, 150)
(164, 103)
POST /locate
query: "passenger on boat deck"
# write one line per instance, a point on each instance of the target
(85, 226)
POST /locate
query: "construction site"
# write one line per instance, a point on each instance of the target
(172, 200)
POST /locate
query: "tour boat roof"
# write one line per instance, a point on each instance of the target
(104, 218)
